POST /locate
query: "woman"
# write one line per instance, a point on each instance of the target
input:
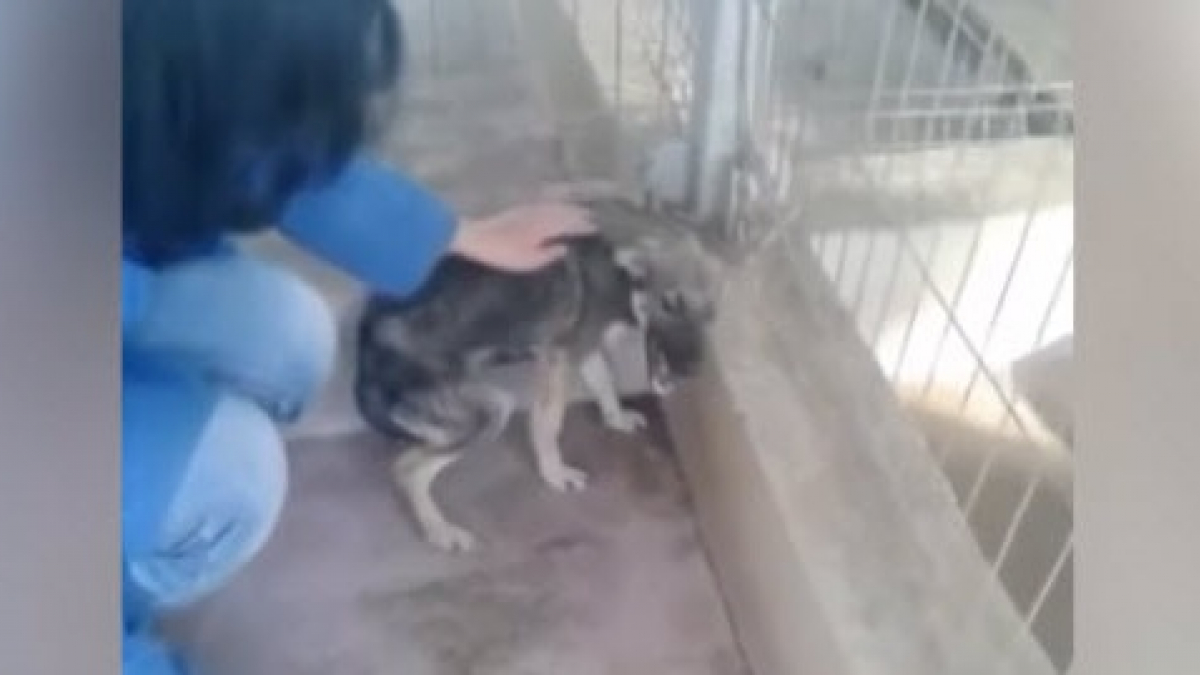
(239, 115)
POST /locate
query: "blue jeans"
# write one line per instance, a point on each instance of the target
(269, 341)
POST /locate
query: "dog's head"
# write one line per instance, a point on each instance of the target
(673, 279)
(672, 303)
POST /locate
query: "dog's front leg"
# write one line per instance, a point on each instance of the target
(414, 473)
(545, 423)
(598, 378)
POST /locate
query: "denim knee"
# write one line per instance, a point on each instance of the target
(249, 325)
(228, 503)
(297, 355)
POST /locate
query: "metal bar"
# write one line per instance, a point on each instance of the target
(1055, 296)
(950, 112)
(784, 178)
(860, 291)
(1034, 483)
(913, 50)
(843, 260)
(969, 91)
(769, 105)
(893, 276)
(971, 118)
(944, 69)
(1035, 608)
(762, 125)
(959, 30)
(880, 69)
(870, 120)
(990, 459)
(952, 323)
(893, 272)
(1031, 216)
(618, 74)
(714, 109)
(1055, 571)
(910, 327)
(668, 72)
(761, 27)
(663, 37)
(960, 288)
(1014, 524)
(1010, 534)
(746, 86)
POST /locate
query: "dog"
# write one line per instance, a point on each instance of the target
(419, 360)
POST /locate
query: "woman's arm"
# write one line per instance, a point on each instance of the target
(136, 280)
(375, 223)
(389, 231)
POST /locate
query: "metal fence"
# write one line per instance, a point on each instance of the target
(921, 152)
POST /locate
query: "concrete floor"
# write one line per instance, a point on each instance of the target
(609, 581)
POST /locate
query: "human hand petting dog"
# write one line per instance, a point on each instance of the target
(521, 239)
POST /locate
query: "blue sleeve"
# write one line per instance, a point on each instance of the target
(135, 289)
(374, 223)
(142, 654)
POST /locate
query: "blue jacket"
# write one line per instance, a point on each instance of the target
(372, 222)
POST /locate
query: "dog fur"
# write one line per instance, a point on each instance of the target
(419, 362)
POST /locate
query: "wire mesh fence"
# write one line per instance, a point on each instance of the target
(921, 151)
(642, 56)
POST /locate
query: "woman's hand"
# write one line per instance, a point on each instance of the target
(522, 239)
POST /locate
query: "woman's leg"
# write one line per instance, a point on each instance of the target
(225, 508)
(267, 340)
(246, 325)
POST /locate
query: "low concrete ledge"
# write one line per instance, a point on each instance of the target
(836, 539)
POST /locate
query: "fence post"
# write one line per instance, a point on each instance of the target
(715, 131)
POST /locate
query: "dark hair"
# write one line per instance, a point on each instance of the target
(231, 105)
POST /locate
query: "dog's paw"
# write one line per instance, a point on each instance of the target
(450, 538)
(563, 478)
(627, 421)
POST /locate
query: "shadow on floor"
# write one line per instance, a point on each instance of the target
(612, 580)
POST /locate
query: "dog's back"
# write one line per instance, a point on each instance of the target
(469, 317)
